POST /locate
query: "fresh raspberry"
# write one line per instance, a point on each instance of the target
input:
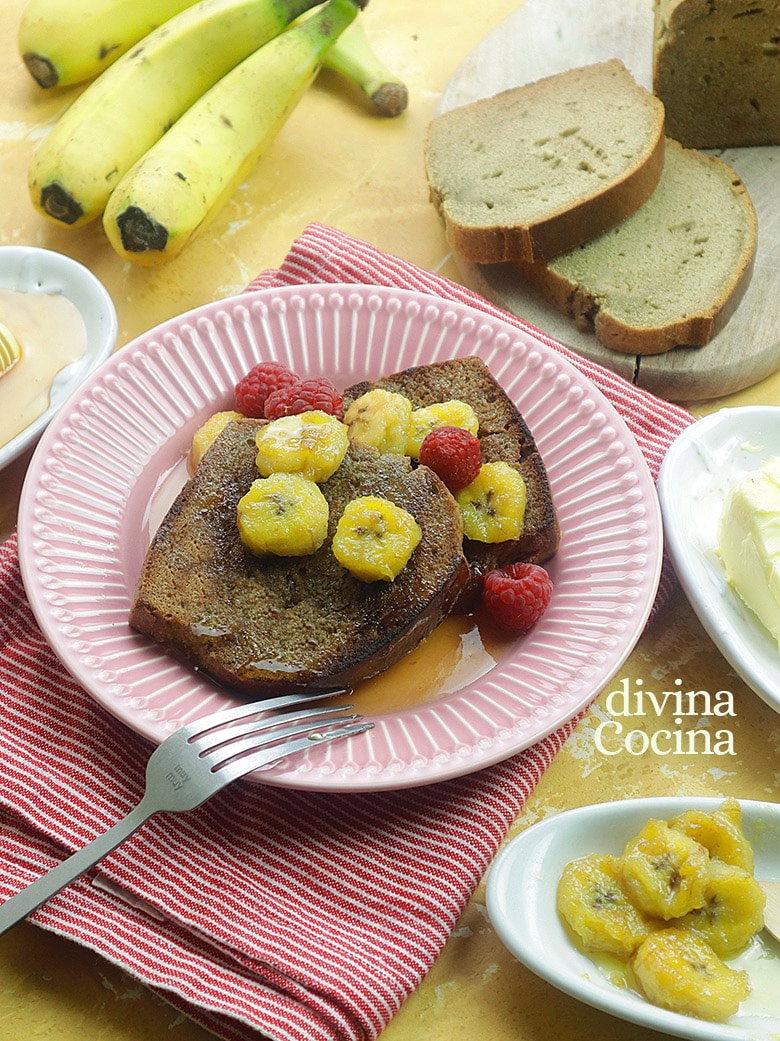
(454, 454)
(253, 389)
(315, 394)
(517, 596)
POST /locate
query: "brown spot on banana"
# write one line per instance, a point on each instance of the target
(59, 203)
(140, 232)
(41, 70)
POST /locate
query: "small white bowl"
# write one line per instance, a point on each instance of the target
(30, 269)
(521, 903)
(699, 469)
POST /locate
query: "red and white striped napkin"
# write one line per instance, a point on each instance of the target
(298, 916)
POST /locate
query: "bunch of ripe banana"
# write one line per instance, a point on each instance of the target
(188, 95)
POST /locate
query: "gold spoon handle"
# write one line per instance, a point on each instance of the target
(10, 351)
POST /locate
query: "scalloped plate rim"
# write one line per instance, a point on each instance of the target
(454, 763)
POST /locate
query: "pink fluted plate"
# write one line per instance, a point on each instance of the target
(110, 464)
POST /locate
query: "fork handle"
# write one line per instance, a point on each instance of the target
(56, 878)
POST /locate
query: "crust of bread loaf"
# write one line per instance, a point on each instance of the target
(620, 257)
(276, 624)
(716, 68)
(604, 179)
(504, 435)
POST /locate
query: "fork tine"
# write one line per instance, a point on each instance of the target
(237, 768)
(228, 715)
(214, 737)
(263, 737)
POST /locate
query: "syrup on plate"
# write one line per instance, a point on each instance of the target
(460, 650)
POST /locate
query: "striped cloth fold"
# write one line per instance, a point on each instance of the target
(296, 916)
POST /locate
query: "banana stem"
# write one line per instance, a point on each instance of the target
(353, 57)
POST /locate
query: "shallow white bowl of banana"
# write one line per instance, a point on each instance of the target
(522, 905)
(57, 324)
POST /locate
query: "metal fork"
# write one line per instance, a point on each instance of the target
(194, 763)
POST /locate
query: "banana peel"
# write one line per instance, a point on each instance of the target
(131, 105)
(182, 180)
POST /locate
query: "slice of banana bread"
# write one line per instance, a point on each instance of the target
(670, 274)
(267, 624)
(537, 169)
(504, 436)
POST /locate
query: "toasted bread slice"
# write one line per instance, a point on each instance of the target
(274, 624)
(503, 435)
(535, 170)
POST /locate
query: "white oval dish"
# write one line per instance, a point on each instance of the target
(31, 269)
(702, 464)
(521, 904)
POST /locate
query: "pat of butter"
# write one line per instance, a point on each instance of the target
(749, 542)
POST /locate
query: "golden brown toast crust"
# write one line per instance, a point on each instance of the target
(277, 624)
(503, 435)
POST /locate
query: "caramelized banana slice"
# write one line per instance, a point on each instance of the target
(663, 871)
(375, 538)
(591, 901)
(720, 832)
(493, 505)
(733, 909)
(207, 434)
(680, 971)
(283, 514)
(312, 444)
(382, 419)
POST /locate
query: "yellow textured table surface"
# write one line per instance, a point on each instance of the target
(338, 164)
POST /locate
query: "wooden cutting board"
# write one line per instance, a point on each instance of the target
(548, 36)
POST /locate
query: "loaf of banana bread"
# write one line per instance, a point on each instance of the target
(716, 68)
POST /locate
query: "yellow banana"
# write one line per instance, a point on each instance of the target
(62, 42)
(284, 514)
(375, 538)
(163, 200)
(663, 871)
(133, 102)
(382, 419)
(720, 832)
(353, 57)
(592, 902)
(733, 910)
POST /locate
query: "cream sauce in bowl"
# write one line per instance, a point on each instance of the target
(66, 324)
(521, 903)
